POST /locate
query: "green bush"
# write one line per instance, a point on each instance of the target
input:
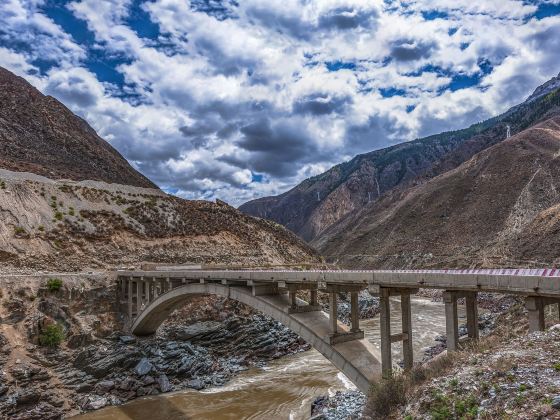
(52, 336)
(54, 285)
(58, 215)
(19, 230)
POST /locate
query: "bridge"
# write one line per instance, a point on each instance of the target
(150, 296)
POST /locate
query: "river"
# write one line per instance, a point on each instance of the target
(286, 387)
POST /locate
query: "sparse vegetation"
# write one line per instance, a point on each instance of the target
(52, 336)
(41, 228)
(2, 185)
(18, 230)
(58, 215)
(386, 395)
(71, 211)
(54, 285)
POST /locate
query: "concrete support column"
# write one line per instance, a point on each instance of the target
(292, 298)
(451, 321)
(354, 312)
(472, 315)
(313, 297)
(129, 297)
(122, 282)
(535, 309)
(333, 312)
(385, 325)
(151, 296)
(406, 314)
(138, 296)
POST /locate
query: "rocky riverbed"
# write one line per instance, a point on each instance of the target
(202, 345)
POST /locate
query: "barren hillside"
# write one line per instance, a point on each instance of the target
(500, 208)
(68, 225)
(38, 134)
(310, 208)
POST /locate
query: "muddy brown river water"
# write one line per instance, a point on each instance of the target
(285, 388)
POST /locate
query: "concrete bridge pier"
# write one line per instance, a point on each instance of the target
(293, 288)
(355, 332)
(452, 321)
(535, 306)
(405, 336)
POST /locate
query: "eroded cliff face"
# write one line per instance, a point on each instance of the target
(70, 226)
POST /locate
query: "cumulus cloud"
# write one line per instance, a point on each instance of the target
(231, 99)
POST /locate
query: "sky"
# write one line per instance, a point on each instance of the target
(238, 99)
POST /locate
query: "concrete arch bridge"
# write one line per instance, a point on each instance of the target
(149, 297)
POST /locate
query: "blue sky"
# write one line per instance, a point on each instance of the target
(239, 99)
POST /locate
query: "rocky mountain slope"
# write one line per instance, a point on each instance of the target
(66, 225)
(38, 134)
(500, 208)
(352, 185)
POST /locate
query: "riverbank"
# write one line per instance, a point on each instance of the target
(351, 404)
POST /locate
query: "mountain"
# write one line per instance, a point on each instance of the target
(353, 185)
(501, 208)
(68, 201)
(38, 134)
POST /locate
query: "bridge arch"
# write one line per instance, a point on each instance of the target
(359, 360)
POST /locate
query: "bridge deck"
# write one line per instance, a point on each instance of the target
(529, 282)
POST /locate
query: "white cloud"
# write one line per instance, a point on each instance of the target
(239, 101)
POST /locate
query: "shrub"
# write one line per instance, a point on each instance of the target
(71, 211)
(557, 367)
(386, 395)
(41, 228)
(58, 215)
(2, 185)
(52, 336)
(54, 285)
(19, 230)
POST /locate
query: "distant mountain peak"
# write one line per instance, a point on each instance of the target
(545, 88)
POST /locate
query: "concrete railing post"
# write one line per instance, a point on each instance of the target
(406, 313)
(333, 312)
(354, 312)
(451, 321)
(535, 309)
(472, 315)
(385, 325)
